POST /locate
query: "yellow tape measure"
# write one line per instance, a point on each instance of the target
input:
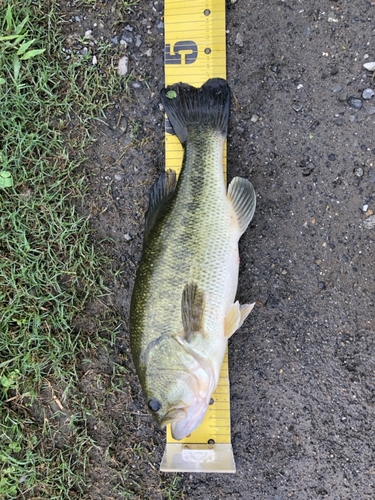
(194, 52)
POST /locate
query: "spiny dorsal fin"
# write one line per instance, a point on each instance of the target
(160, 192)
(192, 309)
(243, 197)
(235, 317)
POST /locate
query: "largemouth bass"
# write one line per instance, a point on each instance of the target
(183, 307)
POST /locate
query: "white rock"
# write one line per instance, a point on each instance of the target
(369, 223)
(94, 60)
(122, 68)
(370, 66)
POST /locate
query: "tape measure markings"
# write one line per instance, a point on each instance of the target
(194, 52)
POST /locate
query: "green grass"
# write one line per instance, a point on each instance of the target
(48, 269)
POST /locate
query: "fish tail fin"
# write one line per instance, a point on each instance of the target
(206, 107)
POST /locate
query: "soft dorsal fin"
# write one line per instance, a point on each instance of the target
(242, 195)
(192, 309)
(160, 192)
(235, 317)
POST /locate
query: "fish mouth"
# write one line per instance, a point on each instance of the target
(184, 419)
(185, 426)
(173, 415)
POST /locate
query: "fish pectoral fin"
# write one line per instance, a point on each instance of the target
(192, 309)
(235, 317)
(160, 192)
(242, 195)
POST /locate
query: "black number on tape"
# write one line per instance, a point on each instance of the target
(176, 57)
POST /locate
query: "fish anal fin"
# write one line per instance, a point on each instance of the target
(192, 310)
(242, 195)
(235, 317)
(160, 192)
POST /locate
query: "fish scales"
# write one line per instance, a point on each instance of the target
(187, 278)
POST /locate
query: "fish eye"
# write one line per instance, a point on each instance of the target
(154, 404)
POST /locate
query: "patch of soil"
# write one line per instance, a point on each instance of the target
(302, 368)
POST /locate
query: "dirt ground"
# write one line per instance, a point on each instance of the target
(302, 368)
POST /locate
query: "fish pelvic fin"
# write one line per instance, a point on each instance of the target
(192, 310)
(206, 107)
(242, 195)
(160, 192)
(235, 317)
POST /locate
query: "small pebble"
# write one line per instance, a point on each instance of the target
(352, 118)
(332, 157)
(364, 208)
(359, 172)
(300, 86)
(332, 18)
(94, 60)
(128, 37)
(355, 102)
(336, 88)
(119, 177)
(371, 111)
(138, 40)
(128, 237)
(122, 68)
(114, 40)
(321, 285)
(368, 93)
(369, 223)
(128, 27)
(254, 118)
(370, 66)
(306, 172)
(369, 212)
(239, 40)
(339, 120)
(297, 107)
(88, 34)
(136, 85)
(148, 52)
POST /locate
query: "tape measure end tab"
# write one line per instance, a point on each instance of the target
(217, 458)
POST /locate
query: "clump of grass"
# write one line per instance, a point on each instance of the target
(48, 269)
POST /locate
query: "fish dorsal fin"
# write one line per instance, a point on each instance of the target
(192, 309)
(242, 195)
(160, 192)
(235, 317)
